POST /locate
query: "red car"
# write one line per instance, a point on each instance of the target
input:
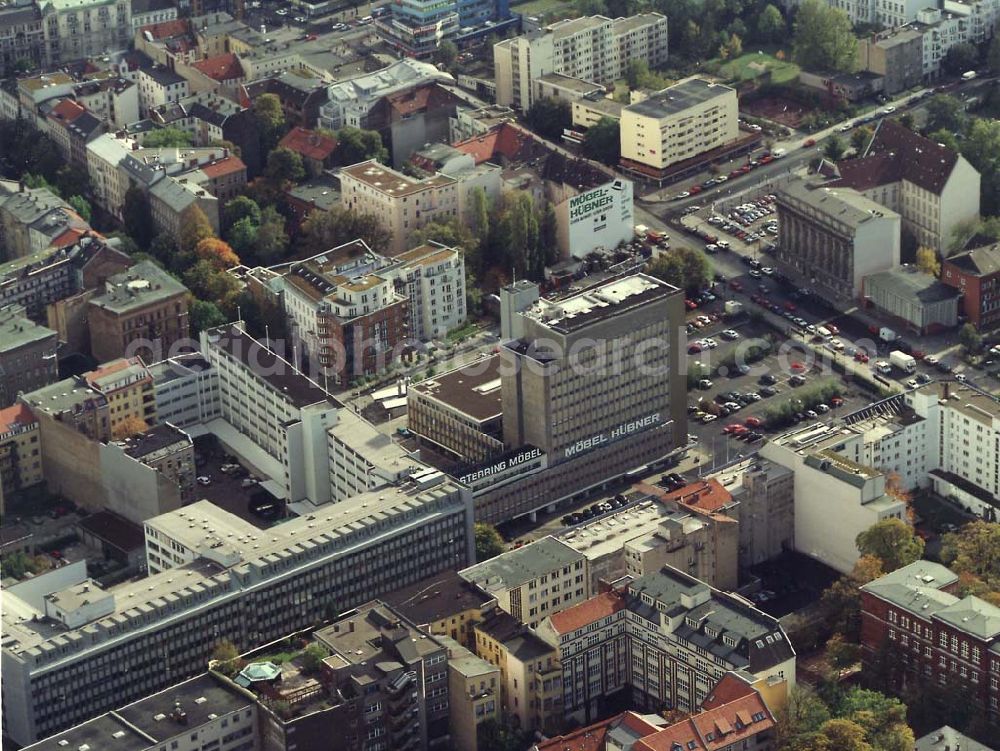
(694, 190)
(690, 304)
(753, 422)
(55, 554)
(798, 367)
(734, 428)
(694, 349)
(861, 357)
(808, 142)
(736, 285)
(790, 307)
(918, 354)
(832, 329)
(836, 402)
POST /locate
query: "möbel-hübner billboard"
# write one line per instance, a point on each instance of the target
(598, 218)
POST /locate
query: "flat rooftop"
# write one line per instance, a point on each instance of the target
(611, 533)
(105, 733)
(638, 21)
(68, 394)
(599, 302)
(17, 331)
(516, 567)
(679, 97)
(578, 85)
(437, 598)
(967, 400)
(142, 285)
(839, 205)
(572, 26)
(391, 183)
(472, 390)
(115, 530)
(154, 441)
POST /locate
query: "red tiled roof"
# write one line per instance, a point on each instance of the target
(481, 147)
(308, 143)
(705, 495)
(224, 67)
(505, 139)
(167, 29)
(225, 166)
(897, 153)
(588, 611)
(68, 237)
(713, 729)
(67, 111)
(17, 414)
(729, 688)
(592, 737)
(408, 102)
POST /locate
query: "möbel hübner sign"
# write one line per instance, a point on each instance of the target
(621, 431)
(598, 218)
(502, 465)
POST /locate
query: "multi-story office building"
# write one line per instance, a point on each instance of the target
(345, 309)
(127, 385)
(684, 636)
(20, 452)
(78, 29)
(205, 712)
(592, 48)
(679, 123)
(186, 390)
(249, 589)
(593, 651)
(27, 354)
(446, 605)
(433, 278)
(829, 478)
(976, 274)
(140, 312)
(913, 620)
(417, 27)
(466, 430)
(830, 239)
(283, 413)
(400, 204)
(932, 188)
(530, 674)
(534, 581)
(398, 673)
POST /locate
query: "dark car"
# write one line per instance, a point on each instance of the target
(768, 380)
(768, 391)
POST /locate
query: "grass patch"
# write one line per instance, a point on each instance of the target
(462, 332)
(279, 658)
(752, 64)
(543, 7)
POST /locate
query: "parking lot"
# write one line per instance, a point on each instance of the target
(233, 488)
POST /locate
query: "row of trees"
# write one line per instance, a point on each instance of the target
(832, 719)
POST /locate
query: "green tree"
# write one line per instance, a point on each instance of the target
(312, 657)
(489, 543)
(137, 218)
(355, 145)
(272, 239)
(242, 236)
(845, 735)
(861, 137)
(893, 542)
(960, 57)
(206, 282)
(602, 141)
(492, 735)
(270, 119)
(166, 138)
(123, 243)
(636, 73)
(842, 600)
(834, 149)
(771, 25)
(71, 180)
(803, 713)
(946, 138)
(841, 654)
(521, 220)
(682, 267)
(982, 148)
(733, 46)
(80, 206)
(238, 208)
(975, 550)
(227, 658)
(548, 233)
(945, 112)
(548, 117)
(284, 165)
(591, 7)
(969, 338)
(323, 230)
(823, 38)
(195, 227)
(446, 55)
(451, 232)
(164, 249)
(204, 315)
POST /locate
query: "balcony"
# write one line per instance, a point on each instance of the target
(401, 725)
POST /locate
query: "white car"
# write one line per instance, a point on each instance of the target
(912, 383)
(931, 360)
(822, 409)
(708, 418)
(889, 110)
(730, 335)
(961, 378)
(204, 480)
(281, 12)
(767, 271)
(844, 128)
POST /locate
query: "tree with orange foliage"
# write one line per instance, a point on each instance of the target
(129, 427)
(217, 252)
(894, 489)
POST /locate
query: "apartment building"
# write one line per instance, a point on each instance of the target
(534, 581)
(113, 100)
(915, 618)
(166, 449)
(593, 651)
(35, 219)
(160, 85)
(171, 199)
(432, 277)
(21, 35)
(530, 674)
(591, 48)
(344, 307)
(684, 636)
(148, 12)
(399, 203)
(473, 694)
(831, 238)
(80, 29)
(282, 415)
(267, 587)
(829, 478)
(932, 188)
(203, 712)
(140, 312)
(897, 56)
(445, 605)
(127, 385)
(186, 390)
(27, 355)
(20, 453)
(975, 273)
(108, 184)
(679, 123)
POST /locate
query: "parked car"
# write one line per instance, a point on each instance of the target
(204, 480)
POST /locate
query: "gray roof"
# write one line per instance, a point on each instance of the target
(910, 283)
(843, 205)
(918, 588)
(177, 194)
(69, 394)
(948, 739)
(18, 331)
(517, 567)
(678, 98)
(973, 616)
(164, 76)
(18, 15)
(979, 261)
(107, 732)
(142, 285)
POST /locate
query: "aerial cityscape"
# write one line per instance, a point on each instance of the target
(500, 375)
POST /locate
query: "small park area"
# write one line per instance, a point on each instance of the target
(754, 64)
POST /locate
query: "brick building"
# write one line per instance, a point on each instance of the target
(976, 274)
(913, 619)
